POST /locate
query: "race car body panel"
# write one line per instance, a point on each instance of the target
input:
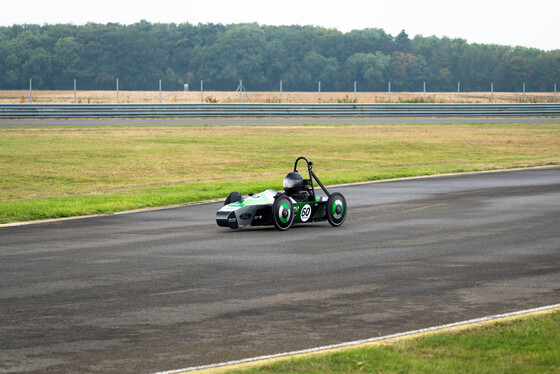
(253, 211)
(310, 211)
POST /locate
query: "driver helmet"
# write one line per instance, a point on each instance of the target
(293, 183)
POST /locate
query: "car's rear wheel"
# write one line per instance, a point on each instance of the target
(336, 209)
(283, 213)
(233, 198)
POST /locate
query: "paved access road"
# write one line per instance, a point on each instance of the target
(167, 289)
(261, 121)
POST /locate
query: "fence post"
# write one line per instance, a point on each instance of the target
(492, 92)
(280, 90)
(424, 91)
(30, 91)
(355, 97)
(117, 90)
(75, 91)
(523, 92)
(201, 91)
(458, 92)
(319, 90)
(389, 91)
(160, 91)
(554, 92)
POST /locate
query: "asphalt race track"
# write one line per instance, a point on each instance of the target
(167, 289)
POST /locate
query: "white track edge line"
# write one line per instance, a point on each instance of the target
(364, 341)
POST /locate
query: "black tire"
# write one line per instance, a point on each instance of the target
(336, 209)
(233, 198)
(283, 213)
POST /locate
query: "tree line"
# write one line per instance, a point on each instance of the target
(141, 54)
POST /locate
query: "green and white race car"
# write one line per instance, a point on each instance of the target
(298, 204)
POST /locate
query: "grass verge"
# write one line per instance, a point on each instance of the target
(525, 345)
(65, 171)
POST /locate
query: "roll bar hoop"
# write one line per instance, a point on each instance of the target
(311, 176)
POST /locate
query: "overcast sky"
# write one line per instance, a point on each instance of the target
(514, 22)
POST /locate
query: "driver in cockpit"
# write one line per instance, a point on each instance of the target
(295, 187)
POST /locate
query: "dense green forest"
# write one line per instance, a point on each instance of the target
(141, 54)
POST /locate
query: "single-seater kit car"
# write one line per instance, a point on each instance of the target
(297, 204)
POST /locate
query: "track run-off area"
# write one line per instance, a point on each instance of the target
(167, 288)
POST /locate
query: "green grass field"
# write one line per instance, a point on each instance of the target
(524, 346)
(67, 171)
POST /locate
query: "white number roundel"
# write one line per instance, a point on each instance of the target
(305, 213)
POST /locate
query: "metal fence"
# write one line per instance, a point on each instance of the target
(9, 111)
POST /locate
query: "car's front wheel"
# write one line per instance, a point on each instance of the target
(283, 213)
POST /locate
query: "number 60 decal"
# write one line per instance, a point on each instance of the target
(305, 213)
